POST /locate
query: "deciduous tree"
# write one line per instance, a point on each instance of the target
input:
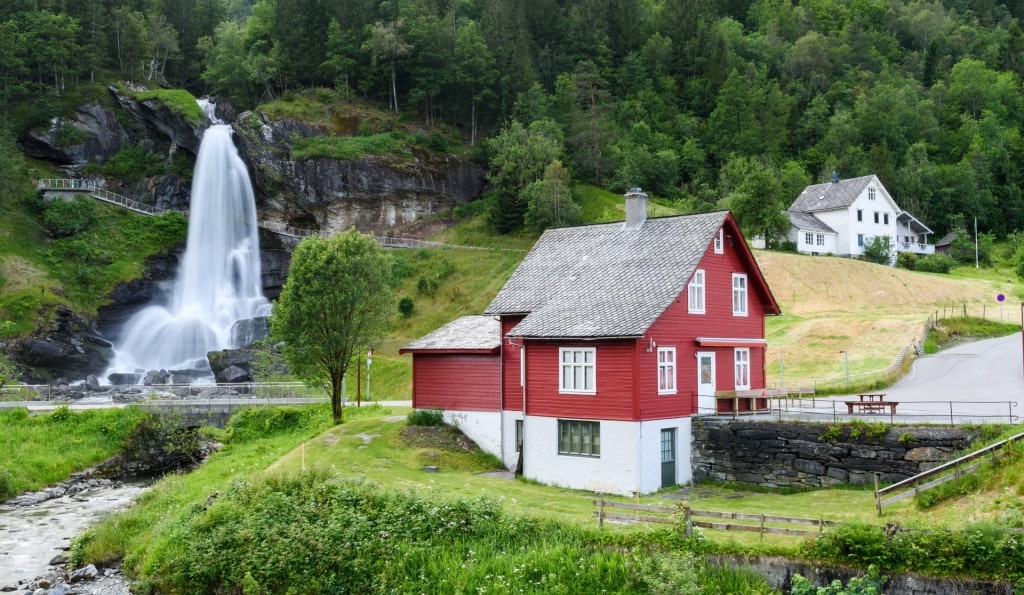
(336, 303)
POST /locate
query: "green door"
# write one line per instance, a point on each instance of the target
(668, 457)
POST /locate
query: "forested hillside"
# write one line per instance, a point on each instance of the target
(736, 103)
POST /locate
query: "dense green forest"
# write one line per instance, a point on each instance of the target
(735, 103)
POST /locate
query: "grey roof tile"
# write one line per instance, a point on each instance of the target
(468, 333)
(808, 222)
(829, 196)
(604, 280)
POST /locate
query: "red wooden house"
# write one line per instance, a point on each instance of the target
(589, 364)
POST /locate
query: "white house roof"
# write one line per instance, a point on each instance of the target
(833, 195)
(606, 280)
(808, 222)
(469, 333)
(913, 223)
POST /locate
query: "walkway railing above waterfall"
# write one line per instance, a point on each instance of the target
(86, 186)
(90, 188)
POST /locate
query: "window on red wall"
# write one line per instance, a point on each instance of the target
(577, 370)
(695, 292)
(739, 294)
(666, 370)
(741, 357)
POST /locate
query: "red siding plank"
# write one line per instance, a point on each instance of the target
(456, 382)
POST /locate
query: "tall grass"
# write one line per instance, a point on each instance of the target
(311, 534)
(37, 451)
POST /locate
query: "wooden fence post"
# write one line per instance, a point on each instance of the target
(878, 498)
(600, 513)
(689, 522)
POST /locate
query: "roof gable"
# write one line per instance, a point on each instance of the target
(609, 281)
(837, 195)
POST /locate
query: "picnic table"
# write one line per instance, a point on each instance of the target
(871, 403)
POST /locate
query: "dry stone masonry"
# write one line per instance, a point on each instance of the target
(812, 455)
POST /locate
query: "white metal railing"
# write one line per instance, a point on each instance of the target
(103, 194)
(916, 247)
(272, 226)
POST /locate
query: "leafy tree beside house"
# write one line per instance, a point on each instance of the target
(336, 303)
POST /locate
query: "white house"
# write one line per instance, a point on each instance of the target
(842, 217)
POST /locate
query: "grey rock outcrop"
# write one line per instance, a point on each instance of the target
(68, 347)
(374, 193)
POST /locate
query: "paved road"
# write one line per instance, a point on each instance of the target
(977, 381)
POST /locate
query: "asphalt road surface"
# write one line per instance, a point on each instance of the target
(975, 382)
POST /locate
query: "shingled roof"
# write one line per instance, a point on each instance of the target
(600, 281)
(808, 222)
(468, 333)
(830, 195)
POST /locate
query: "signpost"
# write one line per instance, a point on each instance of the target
(369, 360)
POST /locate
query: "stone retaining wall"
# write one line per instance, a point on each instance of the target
(812, 455)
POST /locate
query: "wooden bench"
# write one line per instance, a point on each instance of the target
(871, 403)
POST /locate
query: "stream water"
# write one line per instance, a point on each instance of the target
(31, 536)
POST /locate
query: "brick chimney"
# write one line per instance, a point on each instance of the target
(636, 208)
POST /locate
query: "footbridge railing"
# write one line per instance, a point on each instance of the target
(90, 188)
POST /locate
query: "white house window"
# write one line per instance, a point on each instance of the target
(808, 238)
(742, 359)
(719, 245)
(519, 435)
(821, 239)
(885, 218)
(666, 370)
(577, 365)
(695, 292)
(739, 294)
(860, 239)
(876, 216)
(860, 214)
(581, 438)
(871, 194)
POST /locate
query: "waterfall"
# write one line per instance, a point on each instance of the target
(218, 283)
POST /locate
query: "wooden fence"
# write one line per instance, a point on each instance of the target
(754, 523)
(950, 471)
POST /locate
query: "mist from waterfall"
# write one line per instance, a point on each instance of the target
(218, 282)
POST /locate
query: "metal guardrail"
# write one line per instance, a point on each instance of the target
(946, 472)
(255, 390)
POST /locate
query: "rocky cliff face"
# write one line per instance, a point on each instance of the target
(376, 193)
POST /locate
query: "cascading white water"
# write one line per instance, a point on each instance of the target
(219, 281)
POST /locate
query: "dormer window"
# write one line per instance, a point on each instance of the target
(871, 194)
(719, 247)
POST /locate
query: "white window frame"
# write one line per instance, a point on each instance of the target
(821, 239)
(885, 218)
(860, 214)
(871, 193)
(808, 238)
(667, 371)
(581, 429)
(695, 293)
(739, 294)
(741, 367)
(720, 242)
(577, 367)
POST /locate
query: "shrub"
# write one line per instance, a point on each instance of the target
(935, 263)
(907, 260)
(425, 417)
(131, 163)
(406, 306)
(68, 217)
(859, 585)
(401, 268)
